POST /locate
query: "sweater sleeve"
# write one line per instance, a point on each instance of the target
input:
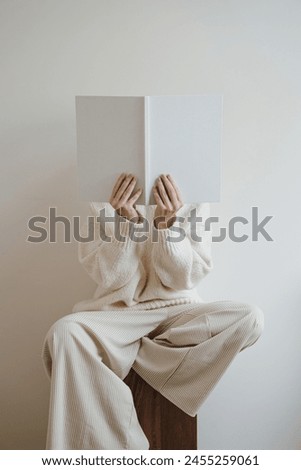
(109, 253)
(182, 254)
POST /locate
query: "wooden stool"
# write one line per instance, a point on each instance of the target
(164, 424)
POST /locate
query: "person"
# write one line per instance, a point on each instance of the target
(145, 314)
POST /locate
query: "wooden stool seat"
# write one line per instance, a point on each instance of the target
(164, 424)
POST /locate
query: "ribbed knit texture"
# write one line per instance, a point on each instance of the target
(181, 351)
(146, 315)
(162, 270)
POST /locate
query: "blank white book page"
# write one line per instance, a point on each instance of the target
(184, 139)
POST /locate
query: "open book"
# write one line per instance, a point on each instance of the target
(148, 136)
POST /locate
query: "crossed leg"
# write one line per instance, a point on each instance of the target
(182, 351)
(184, 358)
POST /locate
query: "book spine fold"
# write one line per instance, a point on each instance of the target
(146, 150)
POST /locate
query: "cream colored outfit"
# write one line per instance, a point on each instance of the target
(145, 314)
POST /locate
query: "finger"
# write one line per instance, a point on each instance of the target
(134, 198)
(158, 199)
(175, 187)
(123, 186)
(170, 191)
(162, 192)
(128, 191)
(117, 184)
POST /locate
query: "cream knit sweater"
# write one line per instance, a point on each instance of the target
(163, 269)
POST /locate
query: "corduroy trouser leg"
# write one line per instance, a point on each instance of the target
(181, 351)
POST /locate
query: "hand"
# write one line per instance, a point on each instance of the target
(168, 200)
(122, 199)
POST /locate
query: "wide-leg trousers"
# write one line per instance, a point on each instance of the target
(181, 351)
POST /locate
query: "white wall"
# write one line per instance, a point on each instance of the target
(52, 50)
